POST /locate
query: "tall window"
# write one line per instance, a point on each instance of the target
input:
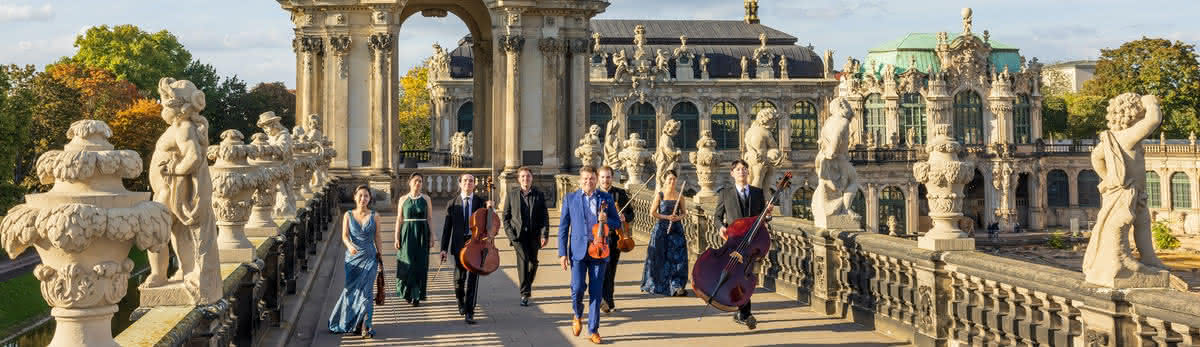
(968, 118)
(599, 114)
(1058, 189)
(725, 125)
(1181, 194)
(1153, 190)
(891, 204)
(1089, 189)
(759, 106)
(804, 125)
(859, 206)
(912, 117)
(802, 203)
(466, 117)
(876, 120)
(641, 121)
(1021, 129)
(689, 125)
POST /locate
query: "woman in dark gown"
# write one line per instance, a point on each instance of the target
(665, 272)
(355, 307)
(413, 240)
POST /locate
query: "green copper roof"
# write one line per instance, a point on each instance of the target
(900, 54)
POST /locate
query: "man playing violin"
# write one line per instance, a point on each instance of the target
(614, 256)
(527, 223)
(581, 211)
(455, 233)
(740, 201)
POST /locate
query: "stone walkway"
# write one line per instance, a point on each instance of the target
(640, 319)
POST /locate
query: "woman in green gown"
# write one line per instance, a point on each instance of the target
(413, 241)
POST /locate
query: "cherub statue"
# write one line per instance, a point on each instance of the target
(589, 150)
(612, 144)
(666, 157)
(762, 151)
(838, 181)
(622, 65)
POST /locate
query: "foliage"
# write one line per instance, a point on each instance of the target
(1167, 69)
(1162, 236)
(276, 97)
(414, 114)
(16, 100)
(1085, 115)
(133, 54)
(1057, 241)
(137, 128)
(1054, 116)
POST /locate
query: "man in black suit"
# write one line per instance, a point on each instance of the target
(527, 224)
(455, 233)
(740, 201)
(614, 255)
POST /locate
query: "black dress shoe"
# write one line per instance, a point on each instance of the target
(416, 303)
(751, 322)
(525, 301)
(461, 311)
(470, 320)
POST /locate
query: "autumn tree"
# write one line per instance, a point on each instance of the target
(414, 114)
(133, 54)
(1167, 69)
(137, 128)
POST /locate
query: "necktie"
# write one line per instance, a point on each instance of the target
(745, 201)
(467, 212)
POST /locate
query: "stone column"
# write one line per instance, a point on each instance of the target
(1002, 181)
(234, 181)
(310, 50)
(1000, 103)
(85, 272)
(1164, 188)
(1035, 116)
(1073, 179)
(872, 208)
(265, 157)
(577, 78)
(380, 46)
(856, 124)
(891, 108)
(944, 176)
(912, 210)
(337, 106)
(553, 100)
(1037, 203)
(512, 45)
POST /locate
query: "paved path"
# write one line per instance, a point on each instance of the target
(639, 320)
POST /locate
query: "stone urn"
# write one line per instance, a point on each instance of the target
(944, 176)
(267, 158)
(706, 159)
(234, 182)
(304, 164)
(83, 229)
(634, 158)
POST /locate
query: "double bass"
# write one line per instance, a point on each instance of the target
(480, 255)
(721, 276)
(598, 248)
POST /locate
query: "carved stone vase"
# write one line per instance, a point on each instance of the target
(234, 182)
(266, 158)
(83, 229)
(634, 158)
(304, 164)
(944, 176)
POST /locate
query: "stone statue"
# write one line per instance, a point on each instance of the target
(911, 138)
(634, 157)
(762, 39)
(706, 158)
(666, 157)
(596, 44)
(683, 47)
(704, 66)
(180, 179)
(589, 151)
(1162, 137)
(439, 64)
(783, 67)
(762, 151)
(470, 150)
(325, 150)
(660, 63)
(612, 144)
(1120, 162)
(1192, 138)
(837, 179)
(639, 36)
(892, 226)
(622, 65)
(966, 21)
(83, 229)
(871, 140)
(745, 68)
(285, 200)
(944, 176)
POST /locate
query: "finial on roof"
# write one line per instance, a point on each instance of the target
(751, 11)
(966, 20)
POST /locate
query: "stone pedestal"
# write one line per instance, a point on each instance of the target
(261, 222)
(234, 182)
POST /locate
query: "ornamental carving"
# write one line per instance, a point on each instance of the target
(77, 286)
(590, 151)
(551, 46)
(944, 175)
(512, 44)
(579, 46)
(634, 157)
(341, 47)
(819, 273)
(381, 43)
(925, 309)
(1095, 338)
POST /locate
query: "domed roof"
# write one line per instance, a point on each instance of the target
(901, 53)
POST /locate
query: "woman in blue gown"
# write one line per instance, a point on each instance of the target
(665, 272)
(353, 311)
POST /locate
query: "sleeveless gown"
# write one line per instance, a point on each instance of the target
(412, 261)
(666, 255)
(356, 305)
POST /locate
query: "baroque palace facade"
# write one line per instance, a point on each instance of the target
(715, 75)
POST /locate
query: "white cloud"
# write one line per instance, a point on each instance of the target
(16, 13)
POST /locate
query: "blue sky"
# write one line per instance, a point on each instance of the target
(252, 38)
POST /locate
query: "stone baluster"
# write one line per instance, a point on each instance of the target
(83, 229)
(233, 182)
(267, 159)
(304, 163)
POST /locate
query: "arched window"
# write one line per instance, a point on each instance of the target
(1153, 190)
(725, 128)
(1181, 194)
(466, 117)
(759, 106)
(1021, 129)
(875, 121)
(804, 125)
(641, 121)
(912, 118)
(891, 203)
(599, 114)
(802, 203)
(1089, 189)
(1058, 189)
(689, 125)
(968, 118)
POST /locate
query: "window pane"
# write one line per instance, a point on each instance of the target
(891, 204)
(642, 122)
(968, 118)
(876, 120)
(599, 114)
(466, 117)
(1058, 189)
(802, 204)
(804, 125)
(912, 118)
(1181, 194)
(1153, 190)
(725, 125)
(1089, 193)
(689, 121)
(1021, 123)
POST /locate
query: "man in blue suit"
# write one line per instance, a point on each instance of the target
(580, 211)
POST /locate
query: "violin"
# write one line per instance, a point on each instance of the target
(625, 233)
(722, 276)
(598, 248)
(480, 255)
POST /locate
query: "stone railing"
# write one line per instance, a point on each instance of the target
(254, 292)
(947, 298)
(441, 182)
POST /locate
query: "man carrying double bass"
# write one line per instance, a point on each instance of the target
(455, 233)
(614, 255)
(527, 223)
(740, 201)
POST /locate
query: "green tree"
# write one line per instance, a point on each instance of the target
(1054, 116)
(413, 114)
(275, 97)
(1085, 115)
(1167, 69)
(16, 99)
(133, 54)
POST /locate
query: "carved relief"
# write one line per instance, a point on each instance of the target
(512, 44)
(925, 309)
(340, 45)
(1095, 338)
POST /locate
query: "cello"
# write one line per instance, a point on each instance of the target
(598, 248)
(480, 255)
(721, 276)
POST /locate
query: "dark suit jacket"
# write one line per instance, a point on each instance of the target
(622, 197)
(454, 230)
(515, 225)
(729, 209)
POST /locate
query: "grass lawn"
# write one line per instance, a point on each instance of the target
(23, 301)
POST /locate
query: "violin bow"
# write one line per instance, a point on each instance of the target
(630, 202)
(758, 221)
(675, 210)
